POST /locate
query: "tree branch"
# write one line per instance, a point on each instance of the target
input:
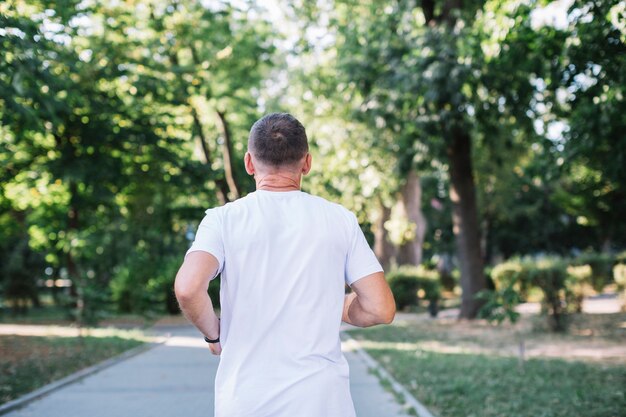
(227, 153)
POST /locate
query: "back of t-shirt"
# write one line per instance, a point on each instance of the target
(285, 258)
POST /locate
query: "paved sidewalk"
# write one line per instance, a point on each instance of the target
(176, 379)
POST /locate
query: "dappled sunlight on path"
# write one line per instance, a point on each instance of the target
(174, 378)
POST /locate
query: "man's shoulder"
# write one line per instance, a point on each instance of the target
(231, 205)
(332, 206)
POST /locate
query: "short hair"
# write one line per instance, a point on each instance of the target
(278, 139)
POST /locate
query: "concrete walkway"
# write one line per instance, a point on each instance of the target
(176, 379)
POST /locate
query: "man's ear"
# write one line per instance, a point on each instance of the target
(307, 164)
(247, 159)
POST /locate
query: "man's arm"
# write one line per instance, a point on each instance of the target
(371, 302)
(190, 287)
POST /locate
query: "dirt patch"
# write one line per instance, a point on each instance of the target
(590, 337)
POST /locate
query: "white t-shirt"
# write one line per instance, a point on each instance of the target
(285, 258)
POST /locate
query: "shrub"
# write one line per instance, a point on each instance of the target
(93, 302)
(145, 285)
(619, 276)
(404, 286)
(499, 304)
(512, 274)
(409, 284)
(561, 289)
(601, 265)
(550, 276)
(577, 279)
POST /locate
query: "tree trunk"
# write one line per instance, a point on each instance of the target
(465, 221)
(383, 248)
(72, 226)
(227, 152)
(76, 288)
(221, 186)
(411, 252)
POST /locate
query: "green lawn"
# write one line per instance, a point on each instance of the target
(51, 314)
(29, 362)
(454, 381)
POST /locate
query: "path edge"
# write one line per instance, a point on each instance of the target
(398, 388)
(80, 374)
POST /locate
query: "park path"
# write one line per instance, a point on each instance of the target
(176, 379)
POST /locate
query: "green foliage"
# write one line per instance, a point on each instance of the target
(499, 305)
(102, 112)
(404, 288)
(579, 279)
(214, 291)
(144, 285)
(594, 146)
(619, 276)
(409, 284)
(121, 122)
(601, 265)
(461, 384)
(93, 302)
(20, 272)
(512, 274)
(562, 283)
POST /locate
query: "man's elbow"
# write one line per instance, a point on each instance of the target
(388, 314)
(385, 313)
(183, 290)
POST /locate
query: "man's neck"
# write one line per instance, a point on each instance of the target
(278, 182)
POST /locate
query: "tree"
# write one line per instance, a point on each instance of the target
(590, 101)
(436, 79)
(98, 132)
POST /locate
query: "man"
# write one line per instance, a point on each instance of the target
(284, 258)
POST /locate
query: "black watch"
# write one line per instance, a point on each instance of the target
(206, 339)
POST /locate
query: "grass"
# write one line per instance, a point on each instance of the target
(467, 369)
(29, 362)
(51, 314)
(36, 315)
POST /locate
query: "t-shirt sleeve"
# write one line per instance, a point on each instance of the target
(361, 260)
(209, 237)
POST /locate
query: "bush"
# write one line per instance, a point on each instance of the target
(619, 276)
(550, 275)
(562, 282)
(601, 265)
(404, 287)
(578, 277)
(562, 288)
(499, 304)
(144, 285)
(409, 284)
(512, 275)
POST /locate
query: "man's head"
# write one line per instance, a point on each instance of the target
(278, 142)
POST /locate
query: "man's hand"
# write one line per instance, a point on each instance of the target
(192, 282)
(215, 348)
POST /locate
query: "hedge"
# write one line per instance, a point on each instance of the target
(407, 282)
